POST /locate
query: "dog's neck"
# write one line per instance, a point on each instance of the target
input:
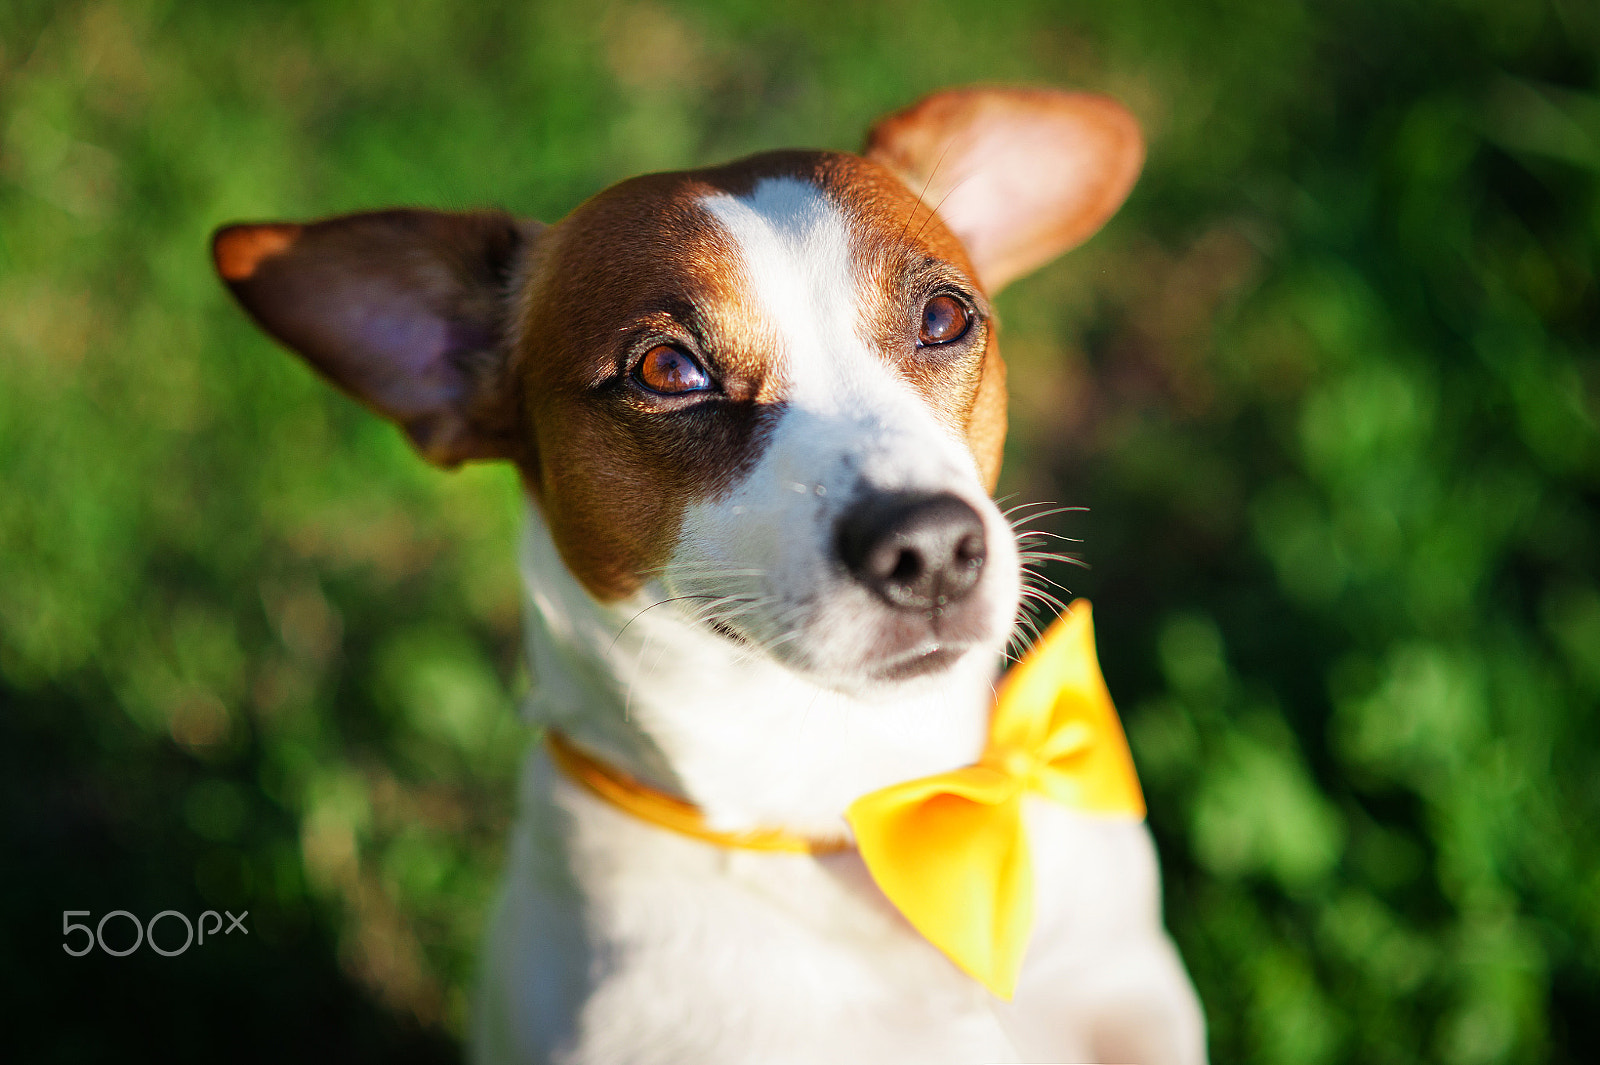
(695, 714)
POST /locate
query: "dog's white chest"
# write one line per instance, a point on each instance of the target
(673, 951)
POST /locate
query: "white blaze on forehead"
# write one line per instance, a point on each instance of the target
(795, 246)
(850, 413)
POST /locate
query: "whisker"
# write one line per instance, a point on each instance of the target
(1024, 626)
(1048, 535)
(1040, 595)
(1040, 515)
(935, 212)
(1033, 557)
(1025, 505)
(652, 606)
(1035, 574)
(925, 186)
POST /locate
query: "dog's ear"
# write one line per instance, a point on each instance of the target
(1019, 175)
(405, 310)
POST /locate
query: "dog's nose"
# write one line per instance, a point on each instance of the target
(916, 550)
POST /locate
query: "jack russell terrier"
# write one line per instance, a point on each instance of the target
(758, 410)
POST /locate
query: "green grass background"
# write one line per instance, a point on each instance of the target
(1328, 385)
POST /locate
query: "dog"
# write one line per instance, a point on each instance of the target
(758, 411)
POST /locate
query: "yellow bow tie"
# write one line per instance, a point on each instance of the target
(950, 850)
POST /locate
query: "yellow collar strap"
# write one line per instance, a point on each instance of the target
(950, 850)
(657, 807)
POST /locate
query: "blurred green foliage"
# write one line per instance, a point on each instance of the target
(1328, 385)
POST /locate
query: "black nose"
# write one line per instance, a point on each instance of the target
(918, 551)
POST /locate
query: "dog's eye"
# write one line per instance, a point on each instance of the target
(943, 321)
(671, 372)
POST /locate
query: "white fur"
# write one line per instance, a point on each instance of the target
(619, 943)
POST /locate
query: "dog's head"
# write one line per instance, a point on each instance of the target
(770, 390)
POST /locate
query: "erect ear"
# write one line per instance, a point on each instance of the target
(407, 311)
(1019, 175)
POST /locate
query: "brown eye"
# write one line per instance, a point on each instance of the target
(943, 320)
(671, 372)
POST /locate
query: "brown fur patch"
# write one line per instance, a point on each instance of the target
(611, 466)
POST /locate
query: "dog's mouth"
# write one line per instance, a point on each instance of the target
(722, 628)
(920, 663)
(932, 656)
